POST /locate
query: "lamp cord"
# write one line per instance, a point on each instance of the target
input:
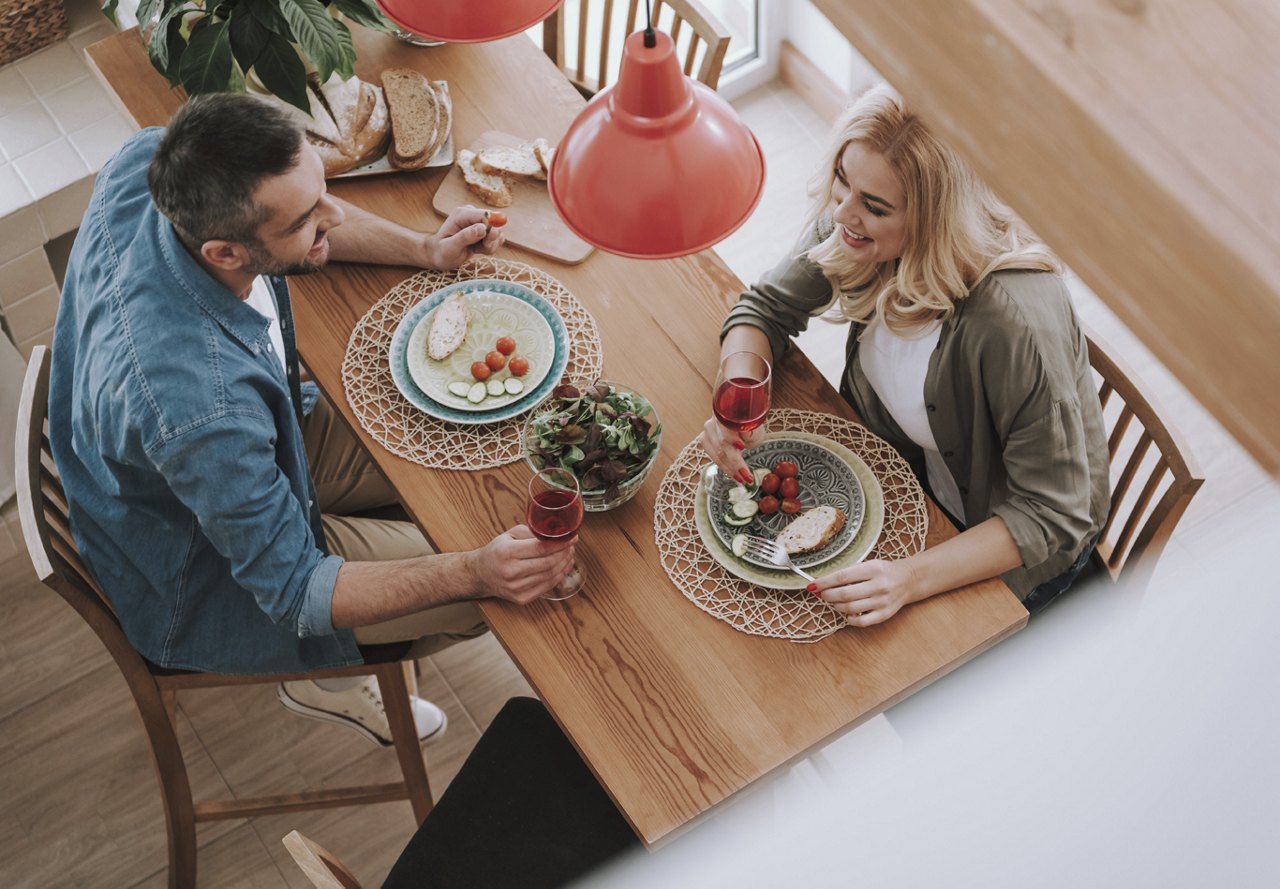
(650, 38)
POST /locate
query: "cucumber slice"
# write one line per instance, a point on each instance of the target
(739, 545)
(760, 472)
(459, 389)
(736, 521)
(744, 509)
(738, 493)
(476, 393)
(513, 386)
(495, 387)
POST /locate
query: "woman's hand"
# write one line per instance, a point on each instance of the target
(870, 592)
(725, 447)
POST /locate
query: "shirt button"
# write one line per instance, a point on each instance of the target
(948, 453)
(310, 503)
(930, 408)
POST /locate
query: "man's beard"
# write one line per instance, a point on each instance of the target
(263, 263)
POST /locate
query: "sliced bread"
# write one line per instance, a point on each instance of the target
(448, 327)
(492, 188)
(812, 529)
(415, 117)
(502, 160)
(542, 150)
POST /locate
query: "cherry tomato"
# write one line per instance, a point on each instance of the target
(496, 360)
(769, 505)
(790, 505)
(506, 345)
(769, 484)
(480, 371)
(789, 487)
(785, 469)
(497, 218)
(519, 366)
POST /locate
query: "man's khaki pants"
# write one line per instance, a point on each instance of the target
(347, 482)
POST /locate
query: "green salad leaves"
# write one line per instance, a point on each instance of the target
(603, 435)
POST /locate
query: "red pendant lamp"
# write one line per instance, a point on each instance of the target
(467, 21)
(657, 165)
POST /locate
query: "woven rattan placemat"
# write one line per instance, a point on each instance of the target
(784, 614)
(408, 432)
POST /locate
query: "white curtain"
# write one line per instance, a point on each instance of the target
(12, 369)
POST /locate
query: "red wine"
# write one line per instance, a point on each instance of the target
(554, 515)
(741, 403)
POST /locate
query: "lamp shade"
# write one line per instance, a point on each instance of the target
(467, 21)
(657, 165)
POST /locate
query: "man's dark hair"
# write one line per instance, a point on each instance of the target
(214, 153)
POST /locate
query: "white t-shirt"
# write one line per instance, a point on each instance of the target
(264, 303)
(896, 367)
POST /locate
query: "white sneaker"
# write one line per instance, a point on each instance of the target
(360, 708)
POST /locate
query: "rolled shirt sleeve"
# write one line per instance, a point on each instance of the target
(785, 298)
(224, 471)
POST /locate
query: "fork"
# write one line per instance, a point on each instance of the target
(771, 551)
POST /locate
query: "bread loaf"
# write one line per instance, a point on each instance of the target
(348, 125)
(812, 530)
(448, 327)
(506, 161)
(542, 150)
(492, 188)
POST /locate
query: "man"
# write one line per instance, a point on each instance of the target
(187, 443)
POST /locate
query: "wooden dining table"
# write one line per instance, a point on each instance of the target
(674, 711)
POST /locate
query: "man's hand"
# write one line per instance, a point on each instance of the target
(518, 567)
(463, 234)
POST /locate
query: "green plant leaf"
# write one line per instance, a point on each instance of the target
(109, 10)
(346, 66)
(316, 32)
(267, 12)
(248, 37)
(365, 12)
(206, 65)
(282, 72)
(167, 42)
(147, 10)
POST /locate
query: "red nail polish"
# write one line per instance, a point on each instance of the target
(813, 588)
(739, 445)
(744, 476)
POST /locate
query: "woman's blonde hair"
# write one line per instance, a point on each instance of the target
(957, 231)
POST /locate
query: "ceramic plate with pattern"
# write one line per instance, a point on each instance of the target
(864, 539)
(499, 308)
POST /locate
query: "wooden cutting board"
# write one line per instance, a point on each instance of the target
(532, 219)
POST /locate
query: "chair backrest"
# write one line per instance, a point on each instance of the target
(600, 29)
(46, 528)
(321, 867)
(1153, 473)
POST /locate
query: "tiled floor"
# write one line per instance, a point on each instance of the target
(80, 806)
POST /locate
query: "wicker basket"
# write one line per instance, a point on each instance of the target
(28, 25)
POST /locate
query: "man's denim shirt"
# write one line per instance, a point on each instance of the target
(176, 433)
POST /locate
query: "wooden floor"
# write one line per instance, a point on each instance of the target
(79, 800)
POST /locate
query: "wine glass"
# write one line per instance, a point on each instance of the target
(554, 512)
(741, 399)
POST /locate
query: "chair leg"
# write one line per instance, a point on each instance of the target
(175, 789)
(394, 682)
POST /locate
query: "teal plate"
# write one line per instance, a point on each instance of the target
(857, 549)
(398, 354)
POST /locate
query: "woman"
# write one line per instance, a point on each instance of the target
(964, 353)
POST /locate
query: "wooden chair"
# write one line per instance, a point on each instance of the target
(696, 32)
(42, 506)
(1153, 473)
(318, 864)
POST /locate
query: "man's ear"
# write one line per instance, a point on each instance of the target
(229, 256)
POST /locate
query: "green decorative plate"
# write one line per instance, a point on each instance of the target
(826, 479)
(855, 551)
